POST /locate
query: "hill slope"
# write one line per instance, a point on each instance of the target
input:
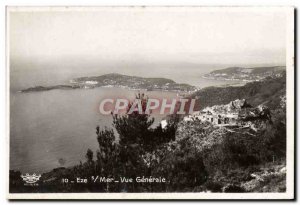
(267, 91)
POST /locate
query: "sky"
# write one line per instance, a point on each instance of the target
(141, 36)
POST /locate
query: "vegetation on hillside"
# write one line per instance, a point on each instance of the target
(267, 92)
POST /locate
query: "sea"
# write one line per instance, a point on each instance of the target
(55, 128)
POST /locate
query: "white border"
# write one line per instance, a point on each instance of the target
(215, 196)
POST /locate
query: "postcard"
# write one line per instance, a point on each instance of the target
(150, 103)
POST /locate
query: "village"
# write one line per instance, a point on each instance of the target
(236, 114)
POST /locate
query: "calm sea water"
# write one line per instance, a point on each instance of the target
(48, 128)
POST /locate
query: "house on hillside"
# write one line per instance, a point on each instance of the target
(231, 114)
(214, 117)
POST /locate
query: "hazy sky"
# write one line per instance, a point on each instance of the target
(106, 36)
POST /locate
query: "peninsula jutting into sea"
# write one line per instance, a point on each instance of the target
(162, 84)
(118, 80)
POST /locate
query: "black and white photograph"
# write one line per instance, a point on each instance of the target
(150, 102)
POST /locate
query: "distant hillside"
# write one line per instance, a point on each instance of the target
(267, 91)
(246, 74)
